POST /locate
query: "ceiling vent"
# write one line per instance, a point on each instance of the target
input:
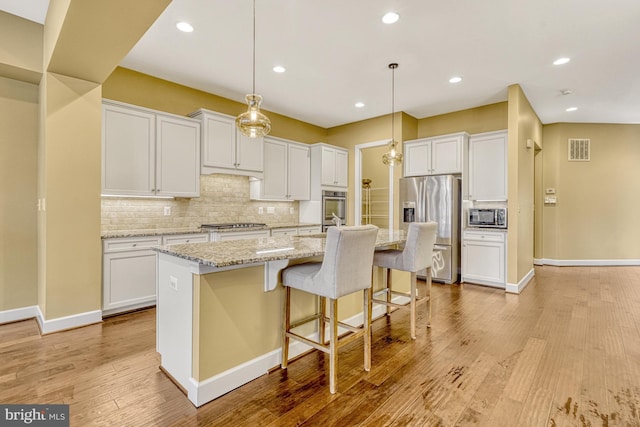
(579, 150)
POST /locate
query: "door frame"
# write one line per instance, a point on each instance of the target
(358, 181)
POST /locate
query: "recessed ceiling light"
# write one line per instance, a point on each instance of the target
(279, 69)
(184, 27)
(571, 109)
(561, 61)
(455, 79)
(390, 17)
(359, 104)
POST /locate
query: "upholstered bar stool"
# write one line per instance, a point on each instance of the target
(345, 269)
(416, 255)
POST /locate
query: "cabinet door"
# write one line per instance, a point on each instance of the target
(299, 167)
(128, 151)
(341, 168)
(178, 157)
(488, 167)
(328, 164)
(129, 280)
(446, 155)
(274, 184)
(249, 154)
(218, 148)
(417, 158)
(483, 262)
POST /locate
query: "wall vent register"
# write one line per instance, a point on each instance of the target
(579, 150)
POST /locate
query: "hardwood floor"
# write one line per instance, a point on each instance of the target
(564, 353)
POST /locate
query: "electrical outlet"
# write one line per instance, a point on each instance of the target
(173, 283)
(260, 210)
(291, 211)
(167, 210)
(271, 209)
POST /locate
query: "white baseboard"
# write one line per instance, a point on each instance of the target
(68, 322)
(18, 314)
(516, 288)
(586, 262)
(201, 392)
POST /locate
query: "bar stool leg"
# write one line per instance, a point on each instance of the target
(333, 345)
(368, 305)
(412, 306)
(286, 324)
(388, 291)
(429, 296)
(322, 310)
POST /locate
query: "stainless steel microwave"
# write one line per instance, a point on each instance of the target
(488, 218)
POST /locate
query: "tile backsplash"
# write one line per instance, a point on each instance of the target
(223, 198)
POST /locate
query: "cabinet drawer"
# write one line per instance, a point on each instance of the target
(484, 236)
(309, 230)
(128, 244)
(284, 232)
(185, 238)
(239, 235)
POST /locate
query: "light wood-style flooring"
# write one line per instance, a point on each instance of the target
(566, 352)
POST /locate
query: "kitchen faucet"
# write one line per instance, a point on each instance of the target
(336, 219)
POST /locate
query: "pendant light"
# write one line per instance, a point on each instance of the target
(252, 122)
(392, 156)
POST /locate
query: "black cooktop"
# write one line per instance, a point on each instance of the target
(233, 225)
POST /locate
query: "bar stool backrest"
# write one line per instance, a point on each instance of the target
(348, 260)
(418, 249)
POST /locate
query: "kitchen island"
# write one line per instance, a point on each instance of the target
(219, 309)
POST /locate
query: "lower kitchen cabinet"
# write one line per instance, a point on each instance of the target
(295, 231)
(129, 270)
(129, 274)
(220, 236)
(483, 258)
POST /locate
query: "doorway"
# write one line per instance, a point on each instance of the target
(373, 185)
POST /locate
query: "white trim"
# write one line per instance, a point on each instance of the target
(68, 322)
(17, 314)
(517, 288)
(201, 392)
(357, 220)
(586, 262)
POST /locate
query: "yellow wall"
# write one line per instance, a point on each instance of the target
(474, 120)
(146, 91)
(596, 216)
(21, 53)
(523, 124)
(18, 193)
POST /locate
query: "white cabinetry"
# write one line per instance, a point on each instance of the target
(329, 169)
(129, 274)
(295, 231)
(488, 166)
(483, 258)
(286, 171)
(149, 153)
(434, 156)
(129, 270)
(225, 149)
(221, 236)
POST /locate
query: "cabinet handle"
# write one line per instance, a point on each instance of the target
(134, 245)
(188, 241)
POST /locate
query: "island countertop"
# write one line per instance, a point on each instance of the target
(265, 249)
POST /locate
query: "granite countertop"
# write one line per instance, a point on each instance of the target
(239, 252)
(190, 230)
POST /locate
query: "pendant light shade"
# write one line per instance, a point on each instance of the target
(252, 122)
(392, 156)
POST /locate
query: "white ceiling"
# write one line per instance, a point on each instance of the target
(336, 53)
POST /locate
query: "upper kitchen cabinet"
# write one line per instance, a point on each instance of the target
(329, 169)
(434, 155)
(487, 178)
(149, 153)
(225, 149)
(286, 171)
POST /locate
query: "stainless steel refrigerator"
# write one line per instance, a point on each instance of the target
(435, 198)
